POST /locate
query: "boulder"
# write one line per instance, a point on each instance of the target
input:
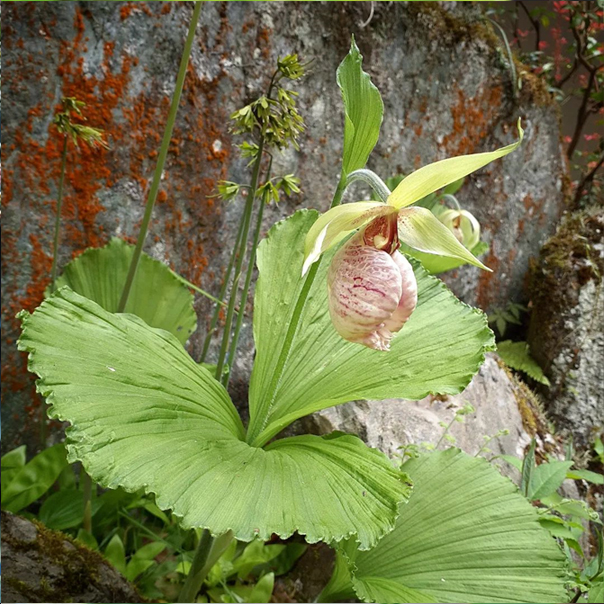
(566, 332)
(501, 402)
(447, 88)
(40, 565)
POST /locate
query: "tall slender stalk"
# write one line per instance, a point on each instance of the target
(246, 220)
(87, 488)
(254, 436)
(161, 159)
(221, 295)
(208, 551)
(55, 245)
(246, 287)
(192, 583)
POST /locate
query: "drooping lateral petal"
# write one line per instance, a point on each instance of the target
(434, 176)
(470, 228)
(421, 230)
(335, 224)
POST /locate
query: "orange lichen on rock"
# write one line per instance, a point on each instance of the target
(133, 125)
(472, 120)
(484, 293)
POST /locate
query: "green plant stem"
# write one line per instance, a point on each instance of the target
(246, 220)
(87, 488)
(203, 292)
(372, 179)
(221, 295)
(246, 288)
(255, 436)
(161, 160)
(55, 245)
(53, 270)
(207, 554)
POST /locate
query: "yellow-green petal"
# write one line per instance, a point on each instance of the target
(421, 230)
(434, 176)
(335, 224)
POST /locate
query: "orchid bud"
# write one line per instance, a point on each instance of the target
(372, 292)
(463, 225)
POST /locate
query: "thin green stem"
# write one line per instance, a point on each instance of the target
(256, 437)
(221, 295)
(247, 218)
(203, 292)
(207, 554)
(53, 270)
(55, 245)
(194, 579)
(246, 288)
(372, 179)
(87, 488)
(161, 160)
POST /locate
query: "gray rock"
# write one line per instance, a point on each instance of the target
(566, 330)
(500, 403)
(447, 90)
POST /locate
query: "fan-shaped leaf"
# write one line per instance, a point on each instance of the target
(466, 535)
(439, 350)
(157, 296)
(145, 415)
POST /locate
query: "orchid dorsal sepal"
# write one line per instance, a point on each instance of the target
(439, 174)
(463, 225)
(378, 186)
(336, 224)
(421, 230)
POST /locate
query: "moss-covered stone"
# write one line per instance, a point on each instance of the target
(42, 565)
(565, 331)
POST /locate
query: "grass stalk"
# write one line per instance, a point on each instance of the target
(254, 437)
(246, 220)
(246, 289)
(221, 294)
(161, 159)
(57, 235)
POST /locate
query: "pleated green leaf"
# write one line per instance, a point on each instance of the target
(363, 111)
(33, 479)
(438, 350)
(157, 296)
(466, 535)
(143, 414)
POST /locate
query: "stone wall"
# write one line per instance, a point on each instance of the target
(446, 86)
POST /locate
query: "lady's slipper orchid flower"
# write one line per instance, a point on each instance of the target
(463, 225)
(372, 287)
(370, 258)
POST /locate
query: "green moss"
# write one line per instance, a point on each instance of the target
(530, 407)
(569, 254)
(442, 25)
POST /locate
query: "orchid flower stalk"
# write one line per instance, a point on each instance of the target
(366, 277)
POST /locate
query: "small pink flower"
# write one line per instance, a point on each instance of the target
(372, 287)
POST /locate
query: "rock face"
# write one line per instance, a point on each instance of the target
(40, 565)
(446, 86)
(565, 332)
(500, 403)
